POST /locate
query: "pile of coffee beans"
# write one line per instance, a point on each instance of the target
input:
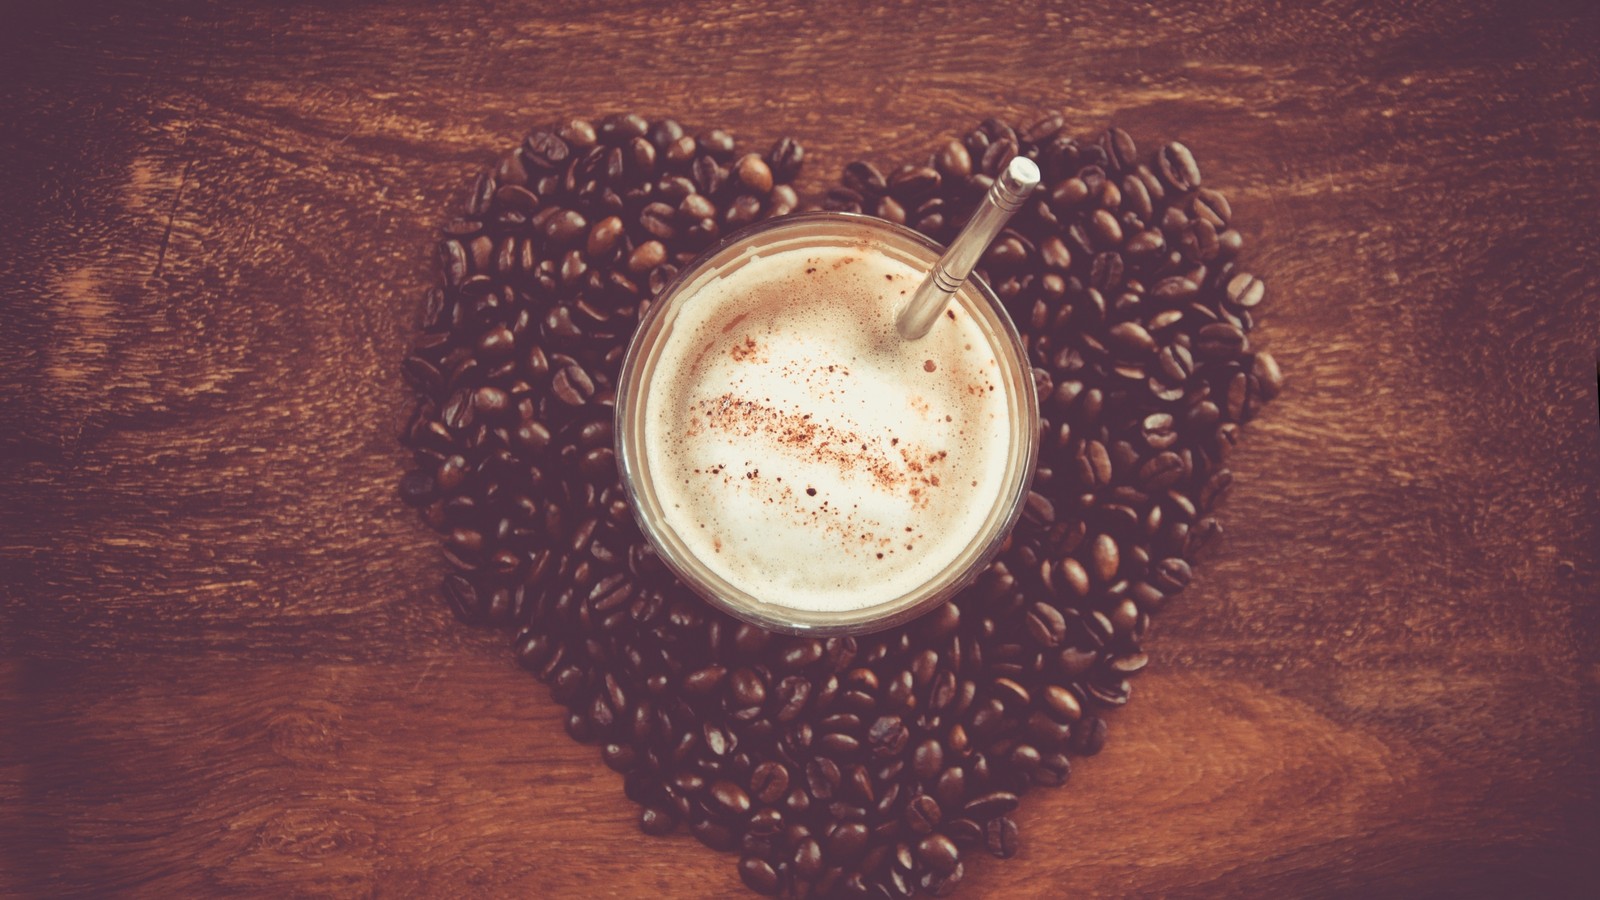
(864, 766)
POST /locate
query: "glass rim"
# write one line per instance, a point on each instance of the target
(643, 348)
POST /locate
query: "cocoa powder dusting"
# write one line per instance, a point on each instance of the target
(799, 433)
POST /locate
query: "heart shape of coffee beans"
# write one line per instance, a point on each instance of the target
(847, 766)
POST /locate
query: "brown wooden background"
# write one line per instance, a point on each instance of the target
(224, 663)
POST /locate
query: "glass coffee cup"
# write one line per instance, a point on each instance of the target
(797, 463)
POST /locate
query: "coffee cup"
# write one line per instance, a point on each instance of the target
(795, 461)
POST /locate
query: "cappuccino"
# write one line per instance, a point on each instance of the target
(803, 450)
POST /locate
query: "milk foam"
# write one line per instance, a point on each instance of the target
(805, 452)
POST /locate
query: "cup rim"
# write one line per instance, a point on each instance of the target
(773, 616)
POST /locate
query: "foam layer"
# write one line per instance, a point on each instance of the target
(804, 451)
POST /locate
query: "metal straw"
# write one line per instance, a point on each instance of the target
(1007, 195)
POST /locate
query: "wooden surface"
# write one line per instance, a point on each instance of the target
(225, 667)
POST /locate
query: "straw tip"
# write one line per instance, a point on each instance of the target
(1023, 172)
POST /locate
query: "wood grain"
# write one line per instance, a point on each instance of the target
(224, 666)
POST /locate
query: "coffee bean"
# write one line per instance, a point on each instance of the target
(656, 821)
(573, 386)
(1211, 206)
(1045, 624)
(769, 782)
(620, 128)
(987, 806)
(744, 209)
(785, 159)
(1132, 339)
(847, 842)
(913, 183)
(545, 150)
(1161, 471)
(801, 653)
(754, 173)
(417, 488)
(1245, 290)
(783, 201)
(716, 143)
(922, 814)
(998, 155)
(1267, 373)
(1178, 167)
(758, 875)
(731, 798)
(1090, 737)
(888, 736)
(1199, 240)
(864, 178)
(1106, 229)
(1000, 836)
(657, 219)
(822, 777)
(1220, 341)
(953, 160)
(938, 853)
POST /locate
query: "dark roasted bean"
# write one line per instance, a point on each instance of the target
(1178, 168)
(769, 782)
(922, 814)
(785, 159)
(1000, 836)
(939, 853)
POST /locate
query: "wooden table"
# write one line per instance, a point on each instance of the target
(225, 666)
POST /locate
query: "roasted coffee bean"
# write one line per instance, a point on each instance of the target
(730, 798)
(822, 777)
(1045, 624)
(847, 842)
(620, 128)
(953, 161)
(938, 853)
(1177, 167)
(1211, 206)
(923, 814)
(1000, 836)
(782, 202)
(545, 150)
(657, 219)
(744, 209)
(1199, 240)
(1132, 339)
(716, 143)
(603, 237)
(1220, 341)
(417, 488)
(758, 875)
(1268, 375)
(1175, 364)
(663, 132)
(656, 820)
(1161, 471)
(785, 159)
(1245, 290)
(888, 736)
(911, 184)
(572, 386)
(987, 806)
(769, 782)
(999, 155)
(864, 178)
(563, 226)
(753, 173)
